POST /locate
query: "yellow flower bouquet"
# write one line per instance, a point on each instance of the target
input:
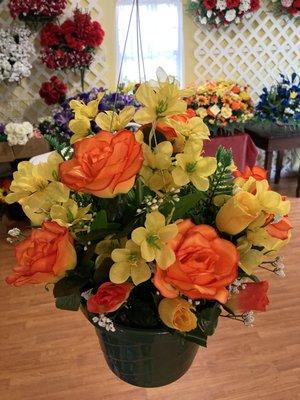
(225, 106)
(151, 239)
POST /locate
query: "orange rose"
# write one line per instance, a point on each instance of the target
(43, 257)
(280, 230)
(104, 165)
(236, 105)
(205, 264)
(256, 172)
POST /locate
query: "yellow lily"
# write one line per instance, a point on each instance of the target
(194, 129)
(160, 99)
(81, 127)
(89, 110)
(105, 248)
(250, 258)
(68, 214)
(191, 167)
(153, 239)
(111, 121)
(128, 263)
(36, 188)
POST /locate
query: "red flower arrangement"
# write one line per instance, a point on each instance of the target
(36, 10)
(53, 91)
(291, 7)
(72, 44)
(222, 12)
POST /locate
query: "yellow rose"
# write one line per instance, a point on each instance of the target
(177, 314)
(201, 112)
(226, 112)
(237, 213)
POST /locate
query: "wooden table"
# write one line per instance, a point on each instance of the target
(272, 137)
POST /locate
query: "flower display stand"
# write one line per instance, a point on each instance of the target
(6, 152)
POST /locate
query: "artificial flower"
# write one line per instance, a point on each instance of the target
(53, 91)
(191, 167)
(177, 314)
(252, 297)
(226, 112)
(257, 172)
(112, 121)
(105, 248)
(153, 239)
(104, 165)
(238, 213)
(36, 188)
(44, 257)
(36, 9)
(68, 214)
(157, 163)
(160, 101)
(81, 127)
(205, 264)
(193, 129)
(89, 110)
(109, 297)
(128, 263)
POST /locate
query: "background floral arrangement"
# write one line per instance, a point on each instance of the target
(36, 10)
(281, 103)
(72, 44)
(166, 237)
(291, 7)
(57, 126)
(16, 54)
(224, 105)
(221, 12)
(18, 133)
(53, 91)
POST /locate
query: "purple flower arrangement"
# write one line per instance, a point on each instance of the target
(58, 125)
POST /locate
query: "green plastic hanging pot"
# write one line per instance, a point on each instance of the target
(146, 358)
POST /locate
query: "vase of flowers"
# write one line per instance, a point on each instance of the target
(280, 104)
(225, 106)
(151, 239)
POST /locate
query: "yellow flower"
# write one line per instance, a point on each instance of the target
(153, 239)
(202, 112)
(226, 112)
(191, 167)
(84, 113)
(177, 314)
(194, 129)
(244, 96)
(250, 258)
(89, 110)
(128, 263)
(111, 121)
(81, 127)
(160, 100)
(155, 171)
(293, 95)
(261, 238)
(238, 213)
(105, 247)
(36, 188)
(68, 214)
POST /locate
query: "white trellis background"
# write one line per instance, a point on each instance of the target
(253, 52)
(22, 102)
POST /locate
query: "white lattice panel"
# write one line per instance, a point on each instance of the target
(22, 102)
(254, 52)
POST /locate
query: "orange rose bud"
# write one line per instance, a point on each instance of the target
(235, 105)
(43, 257)
(252, 298)
(109, 297)
(104, 165)
(205, 264)
(280, 230)
(256, 172)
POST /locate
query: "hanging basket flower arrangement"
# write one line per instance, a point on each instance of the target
(290, 7)
(71, 45)
(221, 12)
(53, 91)
(16, 54)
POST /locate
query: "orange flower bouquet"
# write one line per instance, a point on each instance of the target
(151, 239)
(225, 106)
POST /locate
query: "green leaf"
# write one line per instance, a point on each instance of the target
(69, 285)
(100, 221)
(186, 203)
(196, 336)
(208, 319)
(70, 303)
(101, 273)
